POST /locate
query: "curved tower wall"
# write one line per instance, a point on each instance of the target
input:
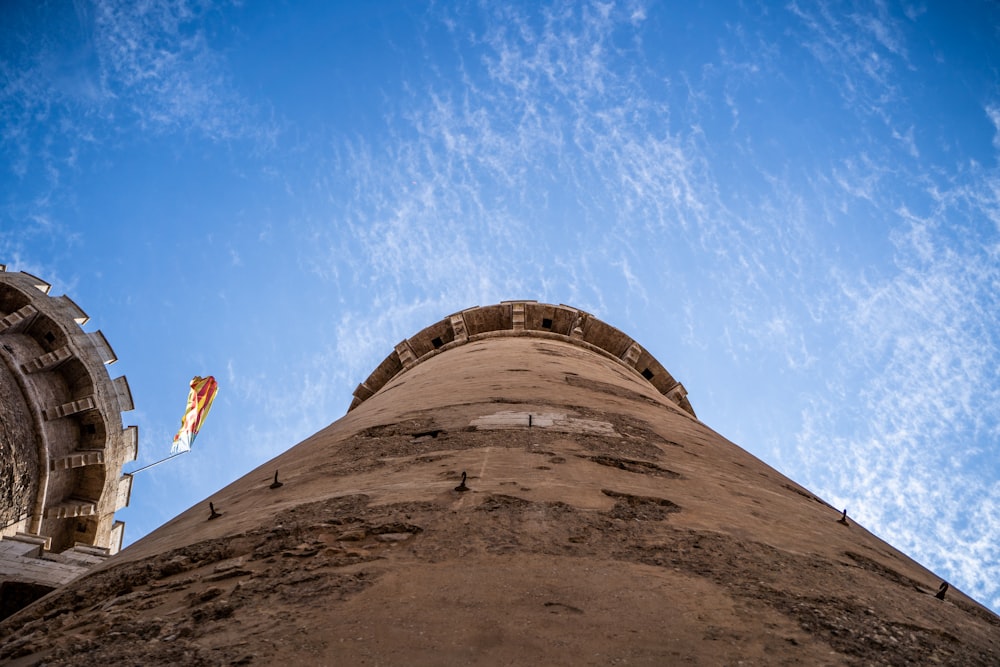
(64, 444)
(516, 498)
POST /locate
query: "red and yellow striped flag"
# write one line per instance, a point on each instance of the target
(199, 402)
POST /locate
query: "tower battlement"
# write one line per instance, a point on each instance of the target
(63, 440)
(524, 318)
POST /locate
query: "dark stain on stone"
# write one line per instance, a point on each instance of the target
(631, 465)
(640, 508)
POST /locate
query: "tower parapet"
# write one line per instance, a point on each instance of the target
(63, 440)
(524, 318)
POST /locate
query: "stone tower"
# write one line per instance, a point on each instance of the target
(62, 440)
(515, 484)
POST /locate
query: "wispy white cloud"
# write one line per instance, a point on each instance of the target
(923, 350)
(157, 59)
(993, 113)
(112, 68)
(863, 50)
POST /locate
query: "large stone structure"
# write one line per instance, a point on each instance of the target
(516, 484)
(62, 444)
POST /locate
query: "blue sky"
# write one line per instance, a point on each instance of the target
(795, 206)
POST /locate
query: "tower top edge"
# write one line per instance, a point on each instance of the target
(524, 318)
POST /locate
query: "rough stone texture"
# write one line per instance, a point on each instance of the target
(615, 529)
(18, 454)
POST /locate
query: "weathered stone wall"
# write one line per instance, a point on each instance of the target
(18, 454)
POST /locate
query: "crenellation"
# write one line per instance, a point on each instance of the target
(546, 317)
(458, 330)
(520, 318)
(28, 280)
(677, 393)
(362, 392)
(631, 356)
(517, 316)
(124, 491)
(129, 443)
(70, 310)
(101, 347)
(384, 372)
(479, 320)
(405, 354)
(432, 338)
(63, 483)
(124, 394)
(576, 329)
(608, 338)
(117, 537)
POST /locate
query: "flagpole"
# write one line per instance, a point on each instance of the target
(158, 462)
